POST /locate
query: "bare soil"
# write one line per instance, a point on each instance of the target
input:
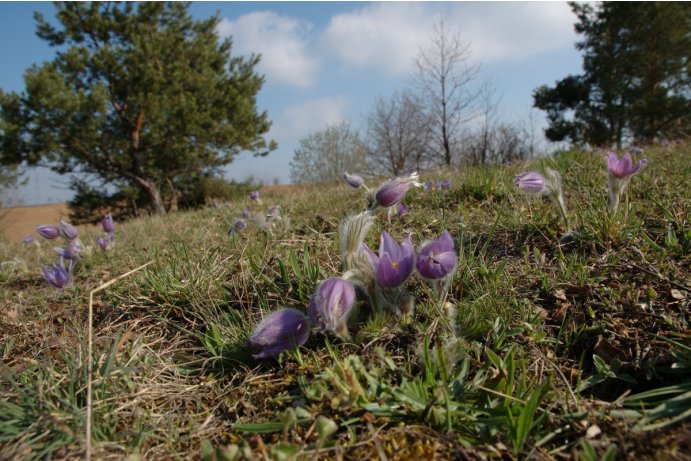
(16, 223)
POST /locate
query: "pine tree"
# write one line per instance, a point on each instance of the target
(635, 84)
(138, 96)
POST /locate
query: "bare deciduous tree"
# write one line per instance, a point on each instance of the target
(325, 154)
(479, 149)
(445, 75)
(494, 140)
(398, 132)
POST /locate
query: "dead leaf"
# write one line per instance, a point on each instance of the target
(593, 431)
(561, 295)
(676, 294)
(607, 350)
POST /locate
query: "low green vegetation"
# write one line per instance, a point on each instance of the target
(543, 350)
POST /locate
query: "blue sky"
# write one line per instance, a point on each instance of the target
(326, 62)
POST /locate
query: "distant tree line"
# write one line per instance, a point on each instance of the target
(636, 82)
(447, 117)
(635, 88)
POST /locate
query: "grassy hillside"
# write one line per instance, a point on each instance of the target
(542, 350)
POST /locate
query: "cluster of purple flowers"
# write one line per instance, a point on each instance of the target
(379, 278)
(334, 299)
(434, 186)
(107, 241)
(58, 275)
(265, 221)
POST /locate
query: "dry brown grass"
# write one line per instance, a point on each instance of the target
(18, 222)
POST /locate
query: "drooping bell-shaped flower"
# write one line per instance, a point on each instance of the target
(280, 331)
(437, 259)
(636, 150)
(394, 264)
(56, 275)
(245, 213)
(446, 184)
(531, 182)
(550, 185)
(394, 190)
(620, 172)
(254, 195)
(238, 226)
(102, 243)
(274, 212)
(70, 251)
(402, 210)
(330, 305)
(622, 167)
(353, 180)
(47, 231)
(28, 239)
(107, 224)
(68, 231)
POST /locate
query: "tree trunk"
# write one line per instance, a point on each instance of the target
(155, 200)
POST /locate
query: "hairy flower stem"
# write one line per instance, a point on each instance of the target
(561, 207)
(450, 314)
(616, 188)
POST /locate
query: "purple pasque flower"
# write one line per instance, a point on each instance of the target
(280, 331)
(331, 303)
(401, 209)
(636, 150)
(102, 243)
(437, 259)
(394, 190)
(531, 182)
(623, 167)
(68, 231)
(56, 275)
(238, 226)
(69, 251)
(274, 212)
(48, 231)
(107, 224)
(28, 239)
(353, 180)
(394, 264)
(254, 195)
(245, 213)
(446, 184)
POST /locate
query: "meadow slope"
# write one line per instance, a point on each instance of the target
(579, 350)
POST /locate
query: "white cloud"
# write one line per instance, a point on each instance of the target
(388, 36)
(299, 120)
(282, 42)
(514, 30)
